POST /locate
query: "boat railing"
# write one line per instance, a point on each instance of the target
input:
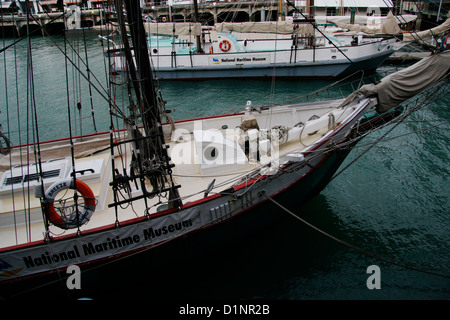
(336, 90)
(340, 88)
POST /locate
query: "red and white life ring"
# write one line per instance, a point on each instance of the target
(76, 218)
(225, 45)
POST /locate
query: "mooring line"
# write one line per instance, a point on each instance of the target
(393, 261)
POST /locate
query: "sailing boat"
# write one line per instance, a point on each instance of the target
(287, 49)
(169, 189)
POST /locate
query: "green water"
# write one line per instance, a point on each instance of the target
(394, 201)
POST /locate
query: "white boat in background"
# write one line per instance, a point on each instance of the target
(255, 50)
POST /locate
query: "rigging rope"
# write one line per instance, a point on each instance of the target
(315, 27)
(414, 34)
(98, 86)
(349, 245)
(32, 107)
(89, 82)
(427, 97)
(72, 151)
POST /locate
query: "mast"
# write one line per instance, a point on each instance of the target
(151, 157)
(147, 95)
(196, 19)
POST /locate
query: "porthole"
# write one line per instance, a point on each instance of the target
(210, 153)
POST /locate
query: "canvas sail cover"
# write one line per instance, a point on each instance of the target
(364, 20)
(172, 28)
(279, 27)
(441, 29)
(389, 26)
(402, 85)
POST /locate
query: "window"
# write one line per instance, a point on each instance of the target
(331, 11)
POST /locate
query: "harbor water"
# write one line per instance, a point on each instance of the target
(393, 202)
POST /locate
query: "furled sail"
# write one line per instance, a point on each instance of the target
(179, 28)
(406, 83)
(388, 26)
(364, 20)
(279, 27)
(436, 31)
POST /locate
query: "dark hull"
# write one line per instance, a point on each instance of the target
(155, 246)
(141, 268)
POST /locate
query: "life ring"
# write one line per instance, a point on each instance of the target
(211, 49)
(445, 45)
(76, 218)
(225, 45)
